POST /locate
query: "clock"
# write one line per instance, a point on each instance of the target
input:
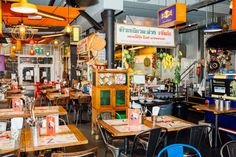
(147, 62)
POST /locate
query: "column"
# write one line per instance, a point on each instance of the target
(108, 18)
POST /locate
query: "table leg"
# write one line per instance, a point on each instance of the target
(126, 145)
(216, 130)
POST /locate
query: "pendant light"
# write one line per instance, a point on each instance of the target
(24, 7)
(68, 28)
(213, 27)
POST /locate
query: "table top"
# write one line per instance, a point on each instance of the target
(214, 109)
(7, 142)
(171, 123)
(14, 91)
(38, 111)
(76, 95)
(65, 138)
(19, 95)
(120, 128)
(53, 96)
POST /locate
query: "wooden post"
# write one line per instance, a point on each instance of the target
(0, 18)
(234, 15)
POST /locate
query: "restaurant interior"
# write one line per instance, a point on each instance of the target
(117, 78)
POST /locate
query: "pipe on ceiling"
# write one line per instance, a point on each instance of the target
(51, 2)
(202, 4)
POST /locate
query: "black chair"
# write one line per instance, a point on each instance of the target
(86, 153)
(196, 136)
(149, 141)
(228, 149)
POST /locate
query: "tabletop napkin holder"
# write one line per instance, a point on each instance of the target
(17, 105)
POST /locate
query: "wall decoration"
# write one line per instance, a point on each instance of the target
(128, 59)
(147, 62)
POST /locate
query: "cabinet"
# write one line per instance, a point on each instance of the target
(110, 93)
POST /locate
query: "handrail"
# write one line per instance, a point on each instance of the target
(188, 70)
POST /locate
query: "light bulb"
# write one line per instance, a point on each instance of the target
(68, 29)
(55, 42)
(22, 29)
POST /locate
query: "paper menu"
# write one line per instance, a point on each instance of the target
(50, 125)
(44, 74)
(17, 104)
(58, 139)
(66, 91)
(133, 117)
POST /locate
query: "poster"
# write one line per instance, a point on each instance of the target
(17, 104)
(148, 36)
(133, 117)
(50, 125)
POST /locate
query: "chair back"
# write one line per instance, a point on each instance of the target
(154, 137)
(194, 135)
(155, 110)
(61, 101)
(85, 153)
(228, 149)
(84, 99)
(177, 150)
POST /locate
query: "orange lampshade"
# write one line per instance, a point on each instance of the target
(32, 52)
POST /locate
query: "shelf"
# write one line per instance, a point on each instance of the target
(224, 97)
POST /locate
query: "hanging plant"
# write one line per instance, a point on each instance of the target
(128, 59)
(178, 68)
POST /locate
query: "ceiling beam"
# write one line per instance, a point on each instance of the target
(51, 2)
(202, 4)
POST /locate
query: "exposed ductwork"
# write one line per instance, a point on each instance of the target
(202, 4)
(51, 2)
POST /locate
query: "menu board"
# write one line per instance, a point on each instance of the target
(109, 79)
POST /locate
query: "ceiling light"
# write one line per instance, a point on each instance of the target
(135, 48)
(24, 7)
(68, 29)
(50, 16)
(22, 32)
(213, 27)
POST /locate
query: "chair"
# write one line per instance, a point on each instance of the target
(228, 149)
(83, 101)
(194, 135)
(149, 140)
(109, 147)
(177, 150)
(62, 101)
(86, 153)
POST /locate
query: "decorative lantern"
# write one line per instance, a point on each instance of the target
(32, 52)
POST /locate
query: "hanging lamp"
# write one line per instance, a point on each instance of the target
(24, 7)
(213, 27)
(68, 28)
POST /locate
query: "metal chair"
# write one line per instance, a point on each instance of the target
(62, 101)
(149, 140)
(228, 149)
(85, 153)
(194, 135)
(83, 101)
(109, 147)
(177, 150)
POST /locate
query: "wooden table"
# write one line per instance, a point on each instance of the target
(53, 96)
(28, 146)
(216, 111)
(7, 143)
(76, 95)
(118, 127)
(14, 91)
(38, 111)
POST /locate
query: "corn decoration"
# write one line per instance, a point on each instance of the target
(168, 62)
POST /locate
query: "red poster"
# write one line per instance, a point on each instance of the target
(16, 105)
(51, 125)
(133, 117)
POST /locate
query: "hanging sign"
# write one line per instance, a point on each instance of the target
(172, 15)
(140, 35)
(82, 46)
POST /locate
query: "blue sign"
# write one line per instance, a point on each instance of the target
(167, 15)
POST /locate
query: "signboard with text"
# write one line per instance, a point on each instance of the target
(141, 35)
(172, 15)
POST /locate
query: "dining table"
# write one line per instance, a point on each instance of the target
(38, 112)
(66, 136)
(119, 127)
(216, 110)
